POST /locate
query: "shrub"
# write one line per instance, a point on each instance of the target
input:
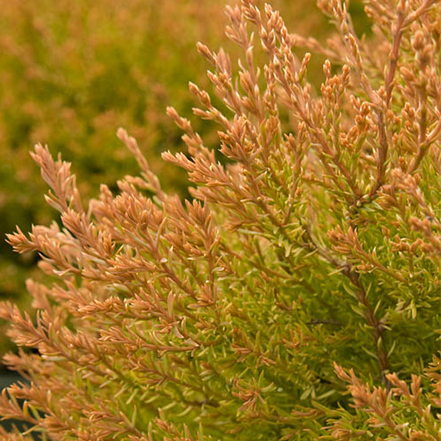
(295, 296)
(71, 73)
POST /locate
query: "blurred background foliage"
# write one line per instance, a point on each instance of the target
(72, 72)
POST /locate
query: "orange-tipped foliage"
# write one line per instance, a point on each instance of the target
(295, 296)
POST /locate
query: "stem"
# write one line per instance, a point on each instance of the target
(378, 329)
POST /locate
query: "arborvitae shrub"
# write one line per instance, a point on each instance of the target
(296, 296)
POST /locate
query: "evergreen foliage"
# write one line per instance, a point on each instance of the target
(295, 296)
(73, 72)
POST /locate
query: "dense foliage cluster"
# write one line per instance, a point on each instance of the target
(295, 295)
(73, 72)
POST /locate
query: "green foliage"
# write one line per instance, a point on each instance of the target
(71, 73)
(295, 295)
